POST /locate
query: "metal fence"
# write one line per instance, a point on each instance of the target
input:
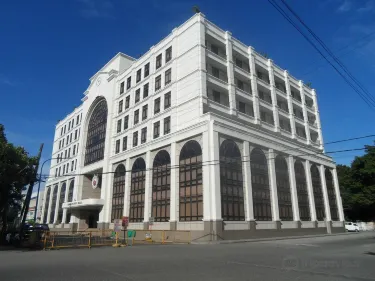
(88, 239)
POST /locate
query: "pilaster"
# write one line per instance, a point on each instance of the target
(230, 74)
(290, 105)
(128, 177)
(310, 190)
(338, 195)
(57, 203)
(214, 174)
(305, 116)
(293, 188)
(174, 183)
(254, 85)
(275, 109)
(148, 188)
(273, 185)
(318, 124)
(247, 182)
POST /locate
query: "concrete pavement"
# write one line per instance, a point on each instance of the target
(344, 257)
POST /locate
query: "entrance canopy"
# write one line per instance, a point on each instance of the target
(84, 204)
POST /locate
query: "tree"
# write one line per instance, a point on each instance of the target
(15, 174)
(357, 185)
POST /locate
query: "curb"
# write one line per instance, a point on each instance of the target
(269, 239)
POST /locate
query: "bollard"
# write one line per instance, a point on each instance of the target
(90, 240)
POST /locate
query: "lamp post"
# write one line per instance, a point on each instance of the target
(40, 180)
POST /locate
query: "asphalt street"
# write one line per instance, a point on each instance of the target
(333, 258)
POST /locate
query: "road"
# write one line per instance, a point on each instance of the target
(334, 258)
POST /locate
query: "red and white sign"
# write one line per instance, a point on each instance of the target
(95, 181)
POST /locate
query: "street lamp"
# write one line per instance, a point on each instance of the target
(40, 180)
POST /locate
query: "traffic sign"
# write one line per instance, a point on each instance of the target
(117, 225)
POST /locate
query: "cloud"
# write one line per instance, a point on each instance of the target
(97, 9)
(368, 7)
(345, 6)
(5, 80)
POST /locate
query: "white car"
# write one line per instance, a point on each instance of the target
(351, 226)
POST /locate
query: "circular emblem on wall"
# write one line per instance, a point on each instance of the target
(98, 81)
(95, 181)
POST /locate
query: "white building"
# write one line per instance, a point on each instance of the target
(32, 207)
(201, 133)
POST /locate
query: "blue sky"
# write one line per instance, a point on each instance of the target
(49, 50)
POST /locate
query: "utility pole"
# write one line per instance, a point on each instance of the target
(30, 190)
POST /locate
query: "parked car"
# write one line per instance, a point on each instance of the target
(351, 226)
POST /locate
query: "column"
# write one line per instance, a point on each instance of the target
(305, 116)
(247, 182)
(230, 74)
(293, 188)
(148, 190)
(202, 62)
(57, 204)
(215, 174)
(63, 220)
(318, 124)
(273, 185)
(50, 203)
(290, 105)
(174, 180)
(128, 177)
(275, 110)
(254, 84)
(206, 175)
(310, 190)
(325, 193)
(338, 195)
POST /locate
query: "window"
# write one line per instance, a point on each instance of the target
(77, 120)
(168, 54)
(59, 144)
(283, 189)
(147, 69)
(215, 49)
(240, 84)
(66, 154)
(157, 106)
(68, 126)
(122, 88)
(239, 63)
(127, 102)
(139, 75)
(137, 95)
(126, 122)
(69, 153)
(119, 126)
(75, 134)
(145, 90)
(215, 72)
(117, 146)
(144, 135)
(72, 166)
(137, 191)
(62, 131)
(168, 76)
(56, 172)
(74, 149)
(120, 106)
(158, 61)
(157, 83)
(136, 116)
(128, 83)
(59, 170)
(63, 172)
(216, 96)
(318, 193)
(167, 125)
(63, 143)
(135, 139)
(124, 143)
(242, 107)
(118, 192)
(144, 112)
(67, 168)
(156, 129)
(167, 100)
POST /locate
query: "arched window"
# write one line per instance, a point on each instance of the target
(71, 190)
(46, 204)
(191, 189)
(260, 186)
(161, 186)
(53, 205)
(118, 193)
(61, 201)
(331, 195)
(96, 133)
(137, 191)
(318, 193)
(283, 189)
(302, 193)
(231, 182)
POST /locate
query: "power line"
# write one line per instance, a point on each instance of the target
(361, 95)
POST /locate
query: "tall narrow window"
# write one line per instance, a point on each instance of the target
(75, 134)
(117, 146)
(161, 179)
(120, 104)
(215, 49)
(231, 182)
(168, 76)
(167, 100)
(127, 102)
(53, 205)
(119, 125)
(215, 72)
(124, 143)
(118, 193)
(144, 135)
(158, 61)
(168, 54)
(331, 194)
(144, 112)
(147, 69)
(167, 125)
(156, 129)
(216, 96)
(139, 75)
(318, 193)
(137, 191)
(122, 88)
(157, 83)
(190, 185)
(126, 122)
(283, 189)
(77, 120)
(137, 95)
(128, 83)
(261, 187)
(145, 90)
(135, 139)
(136, 116)
(157, 106)
(302, 193)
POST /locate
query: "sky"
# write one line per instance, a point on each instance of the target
(50, 48)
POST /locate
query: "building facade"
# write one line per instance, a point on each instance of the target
(201, 133)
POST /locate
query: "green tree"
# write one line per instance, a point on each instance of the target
(15, 173)
(357, 185)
